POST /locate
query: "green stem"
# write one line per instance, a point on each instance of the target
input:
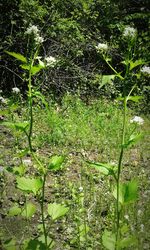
(42, 210)
(119, 170)
(120, 163)
(117, 74)
(30, 97)
(30, 107)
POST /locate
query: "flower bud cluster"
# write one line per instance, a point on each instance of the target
(33, 30)
(102, 47)
(3, 100)
(129, 32)
(15, 90)
(50, 61)
(145, 70)
(137, 119)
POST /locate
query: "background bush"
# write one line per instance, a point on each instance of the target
(71, 30)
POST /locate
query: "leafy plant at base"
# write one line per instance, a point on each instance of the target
(124, 193)
(29, 185)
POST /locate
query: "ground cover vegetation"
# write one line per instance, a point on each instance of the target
(74, 152)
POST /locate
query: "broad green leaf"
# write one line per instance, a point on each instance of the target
(20, 170)
(25, 66)
(124, 229)
(17, 56)
(107, 79)
(15, 210)
(16, 125)
(56, 162)
(131, 193)
(122, 190)
(103, 168)
(83, 231)
(28, 210)
(36, 69)
(136, 63)
(134, 138)
(130, 98)
(57, 210)
(109, 240)
(127, 242)
(135, 98)
(34, 245)
(10, 244)
(29, 184)
(127, 192)
(50, 241)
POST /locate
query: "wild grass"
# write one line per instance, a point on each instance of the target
(81, 132)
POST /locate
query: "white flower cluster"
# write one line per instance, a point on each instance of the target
(137, 120)
(80, 189)
(50, 61)
(33, 30)
(27, 162)
(145, 70)
(129, 32)
(15, 90)
(102, 47)
(3, 100)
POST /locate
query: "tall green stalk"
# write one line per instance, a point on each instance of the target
(42, 211)
(120, 163)
(30, 109)
(119, 169)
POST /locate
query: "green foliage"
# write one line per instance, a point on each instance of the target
(73, 29)
(127, 192)
(22, 126)
(105, 169)
(55, 162)
(29, 184)
(57, 210)
(109, 240)
(28, 210)
(17, 56)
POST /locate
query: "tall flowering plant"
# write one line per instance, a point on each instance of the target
(32, 66)
(35, 185)
(124, 193)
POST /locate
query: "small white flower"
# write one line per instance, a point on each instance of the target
(139, 212)
(27, 162)
(145, 70)
(3, 100)
(50, 61)
(102, 47)
(38, 39)
(126, 216)
(137, 120)
(15, 90)
(1, 169)
(33, 29)
(142, 228)
(80, 189)
(129, 32)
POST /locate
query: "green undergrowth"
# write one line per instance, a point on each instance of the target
(78, 126)
(81, 132)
